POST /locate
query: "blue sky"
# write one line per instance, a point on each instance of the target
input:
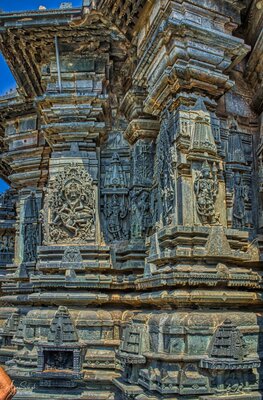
(3, 186)
(19, 5)
(7, 81)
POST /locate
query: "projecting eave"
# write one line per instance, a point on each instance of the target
(27, 41)
(14, 108)
(32, 18)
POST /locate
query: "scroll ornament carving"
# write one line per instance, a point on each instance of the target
(69, 214)
(206, 189)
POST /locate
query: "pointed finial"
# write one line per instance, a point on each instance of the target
(205, 166)
(200, 105)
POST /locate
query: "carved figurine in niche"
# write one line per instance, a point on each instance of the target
(168, 202)
(115, 212)
(144, 208)
(72, 206)
(236, 150)
(240, 197)
(11, 244)
(115, 203)
(206, 189)
(4, 248)
(31, 229)
(164, 170)
(233, 381)
(141, 214)
(31, 242)
(59, 360)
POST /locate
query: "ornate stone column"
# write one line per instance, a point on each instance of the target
(185, 57)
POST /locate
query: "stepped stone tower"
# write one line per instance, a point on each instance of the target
(131, 236)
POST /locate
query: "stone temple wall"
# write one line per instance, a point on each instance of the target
(131, 238)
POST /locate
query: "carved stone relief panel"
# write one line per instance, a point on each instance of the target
(115, 212)
(164, 177)
(240, 198)
(142, 163)
(7, 226)
(69, 210)
(30, 228)
(206, 190)
(141, 222)
(115, 182)
(7, 244)
(7, 248)
(239, 175)
(140, 193)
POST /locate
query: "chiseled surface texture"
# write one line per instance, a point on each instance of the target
(131, 240)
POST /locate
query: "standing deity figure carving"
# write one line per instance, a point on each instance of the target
(71, 207)
(240, 197)
(164, 172)
(206, 189)
(142, 217)
(115, 206)
(31, 229)
(31, 242)
(115, 212)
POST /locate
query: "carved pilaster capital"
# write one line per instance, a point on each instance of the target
(141, 129)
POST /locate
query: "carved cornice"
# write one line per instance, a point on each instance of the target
(27, 41)
(186, 48)
(141, 129)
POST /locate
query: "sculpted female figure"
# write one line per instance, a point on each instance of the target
(206, 189)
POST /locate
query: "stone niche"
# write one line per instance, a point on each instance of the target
(55, 359)
(60, 358)
(191, 353)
